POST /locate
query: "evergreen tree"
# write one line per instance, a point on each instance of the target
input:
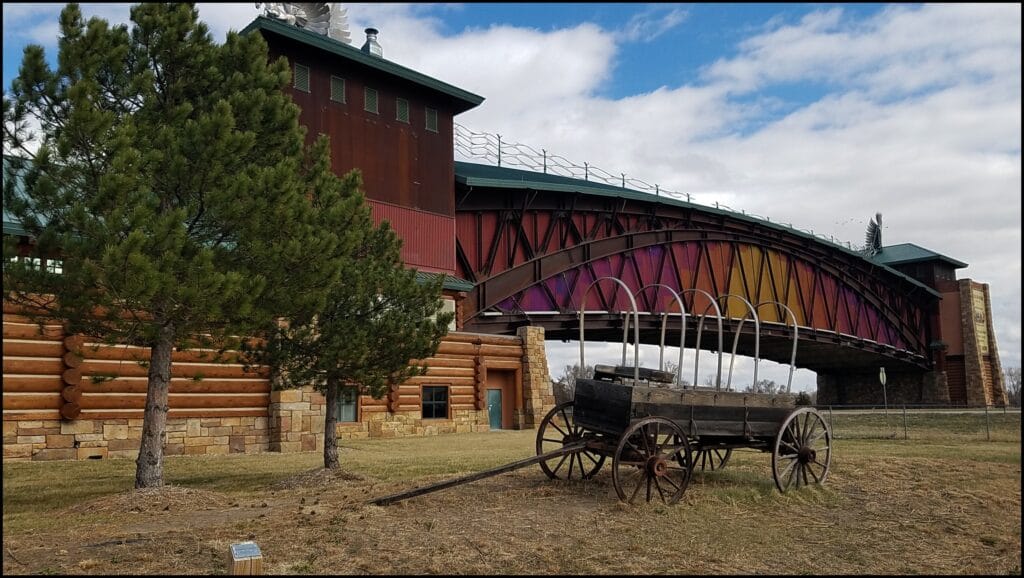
(377, 321)
(172, 179)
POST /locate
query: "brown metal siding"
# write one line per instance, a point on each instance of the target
(428, 239)
(401, 163)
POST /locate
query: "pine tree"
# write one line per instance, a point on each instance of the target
(377, 321)
(171, 177)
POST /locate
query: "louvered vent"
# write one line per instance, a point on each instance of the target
(431, 120)
(402, 111)
(301, 77)
(337, 89)
(370, 100)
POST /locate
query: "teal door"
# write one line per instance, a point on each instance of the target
(494, 407)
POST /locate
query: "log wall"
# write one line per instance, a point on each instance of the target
(66, 397)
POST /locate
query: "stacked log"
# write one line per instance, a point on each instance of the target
(50, 375)
(461, 363)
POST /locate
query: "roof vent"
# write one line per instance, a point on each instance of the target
(372, 47)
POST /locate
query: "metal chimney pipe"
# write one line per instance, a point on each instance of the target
(372, 47)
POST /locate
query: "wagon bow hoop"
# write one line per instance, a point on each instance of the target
(636, 324)
(792, 357)
(682, 330)
(751, 312)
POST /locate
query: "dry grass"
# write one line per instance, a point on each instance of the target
(890, 507)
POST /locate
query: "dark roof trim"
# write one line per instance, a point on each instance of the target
(461, 99)
(478, 175)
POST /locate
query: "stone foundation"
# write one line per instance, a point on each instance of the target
(380, 424)
(120, 438)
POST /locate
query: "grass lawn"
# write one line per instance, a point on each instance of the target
(923, 506)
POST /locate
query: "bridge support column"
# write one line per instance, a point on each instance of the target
(856, 388)
(538, 395)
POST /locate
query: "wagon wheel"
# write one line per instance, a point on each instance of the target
(559, 429)
(803, 450)
(653, 455)
(711, 459)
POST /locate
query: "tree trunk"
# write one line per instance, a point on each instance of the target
(149, 467)
(330, 419)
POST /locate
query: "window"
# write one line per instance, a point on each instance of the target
(435, 402)
(402, 110)
(338, 89)
(301, 77)
(370, 100)
(348, 401)
(432, 120)
(55, 266)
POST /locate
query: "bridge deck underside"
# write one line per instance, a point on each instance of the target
(820, 351)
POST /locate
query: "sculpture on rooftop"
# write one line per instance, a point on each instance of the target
(327, 18)
(873, 237)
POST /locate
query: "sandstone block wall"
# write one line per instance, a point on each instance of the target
(119, 438)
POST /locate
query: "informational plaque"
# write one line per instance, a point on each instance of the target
(246, 559)
(980, 320)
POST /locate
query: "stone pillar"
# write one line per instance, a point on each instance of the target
(538, 397)
(296, 420)
(984, 371)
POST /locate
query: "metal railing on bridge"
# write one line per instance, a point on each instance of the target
(491, 149)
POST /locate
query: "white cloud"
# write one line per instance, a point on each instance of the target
(651, 23)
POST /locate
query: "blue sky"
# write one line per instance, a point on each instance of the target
(818, 115)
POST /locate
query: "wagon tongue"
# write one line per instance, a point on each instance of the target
(564, 450)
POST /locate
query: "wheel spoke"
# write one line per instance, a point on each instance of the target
(636, 449)
(674, 485)
(636, 490)
(572, 460)
(660, 492)
(808, 467)
(590, 457)
(789, 445)
(555, 425)
(560, 442)
(675, 450)
(559, 466)
(812, 426)
(817, 437)
(787, 469)
(791, 473)
(648, 489)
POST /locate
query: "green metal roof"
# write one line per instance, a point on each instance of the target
(910, 253)
(463, 100)
(451, 283)
(478, 175)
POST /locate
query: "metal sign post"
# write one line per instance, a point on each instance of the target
(885, 401)
(885, 398)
